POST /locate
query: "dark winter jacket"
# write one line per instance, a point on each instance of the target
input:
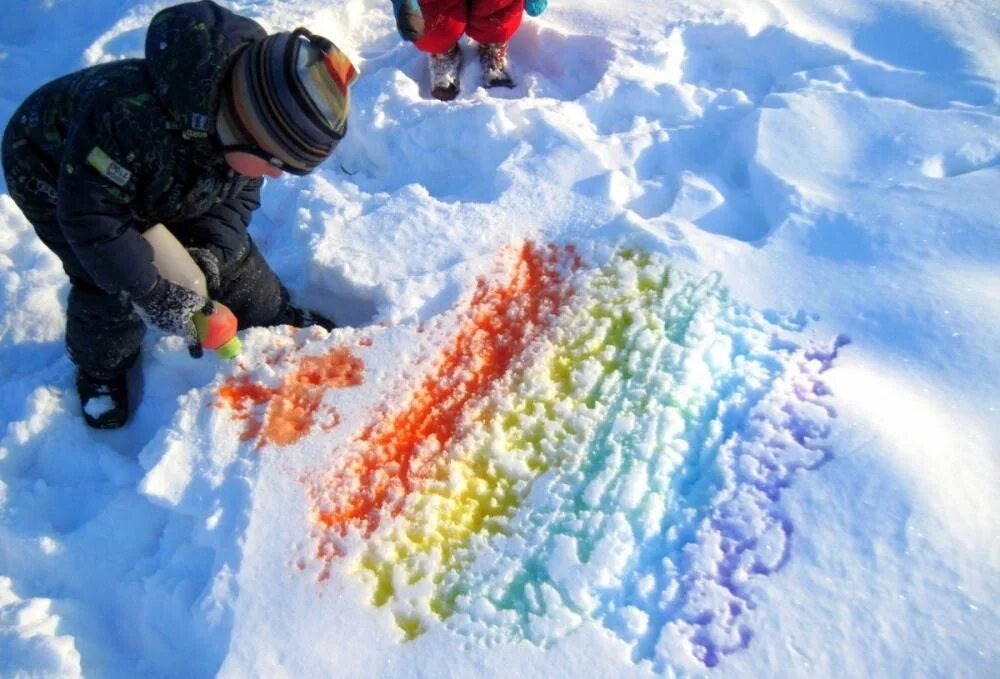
(98, 156)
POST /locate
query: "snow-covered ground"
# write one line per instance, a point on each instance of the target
(679, 358)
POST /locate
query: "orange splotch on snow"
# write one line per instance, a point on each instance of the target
(290, 410)
(243, 397)
(398, 449)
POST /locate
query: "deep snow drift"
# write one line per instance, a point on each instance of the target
(678, 358)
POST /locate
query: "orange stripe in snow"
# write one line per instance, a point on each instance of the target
(398, 450)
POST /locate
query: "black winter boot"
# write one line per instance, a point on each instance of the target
(104, 402)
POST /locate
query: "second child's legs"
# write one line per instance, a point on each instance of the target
(485, 21)
(444, 23)
(492, 23)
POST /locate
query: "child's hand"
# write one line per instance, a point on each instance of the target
(409, 19)
(171, 308)
(535, 7)
(209, 265)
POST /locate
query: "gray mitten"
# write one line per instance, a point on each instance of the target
(169, 308)
(209, 265)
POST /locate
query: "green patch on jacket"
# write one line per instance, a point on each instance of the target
(103, 163)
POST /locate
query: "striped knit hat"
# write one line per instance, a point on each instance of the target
(287, 100)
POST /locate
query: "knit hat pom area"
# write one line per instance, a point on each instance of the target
(288, 98)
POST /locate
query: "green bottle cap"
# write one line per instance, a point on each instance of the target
(230, 349)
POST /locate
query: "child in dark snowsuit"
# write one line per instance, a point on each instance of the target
(435, 26)
(183, 138)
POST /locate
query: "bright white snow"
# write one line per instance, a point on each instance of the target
(684, 470)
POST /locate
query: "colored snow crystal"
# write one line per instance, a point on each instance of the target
(603, 444)
(289, 411)
(404, 448)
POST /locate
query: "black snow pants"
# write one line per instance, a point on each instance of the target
(104, 333)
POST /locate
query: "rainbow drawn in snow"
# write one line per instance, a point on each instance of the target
(593, 444)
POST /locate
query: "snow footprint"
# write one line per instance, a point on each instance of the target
(539, 56)
(683, 139)
(971, 157)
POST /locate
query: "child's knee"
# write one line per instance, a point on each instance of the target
(494, 20)
(440, 40)
(252, 291)
(444, 23)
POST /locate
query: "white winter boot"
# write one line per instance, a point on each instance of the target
(493, 57)
(445, 69)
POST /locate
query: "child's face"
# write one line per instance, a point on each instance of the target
(249, 165)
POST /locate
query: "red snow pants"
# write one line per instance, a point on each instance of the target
(483, 20)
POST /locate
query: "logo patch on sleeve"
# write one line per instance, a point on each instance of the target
(102, 162)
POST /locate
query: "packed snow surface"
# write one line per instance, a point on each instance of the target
(679, 358)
